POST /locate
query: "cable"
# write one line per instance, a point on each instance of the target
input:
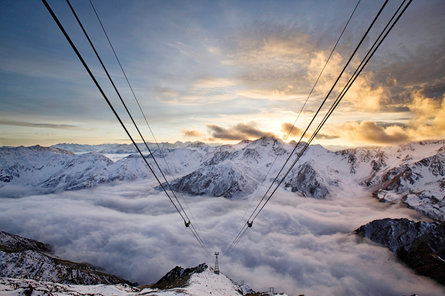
(352, 79)
(307, 98)
(134, 95)
(362, 65)
(186, 223)
(111, 107)
(323, 102)
(125, 106)
(122, 69)
(322, 70)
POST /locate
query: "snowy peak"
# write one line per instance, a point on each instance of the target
(199, 280)
(14, 243)
(178, 277)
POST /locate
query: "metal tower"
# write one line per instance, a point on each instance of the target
(216, 263)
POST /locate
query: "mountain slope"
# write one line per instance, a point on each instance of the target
(237, 171)
(41, 170)
(421, 245)
(25, 258)
(199, 280)
(27, 267)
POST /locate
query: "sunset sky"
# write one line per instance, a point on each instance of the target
(220, 71)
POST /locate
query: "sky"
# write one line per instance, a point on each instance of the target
(220, 71)
(299, 245)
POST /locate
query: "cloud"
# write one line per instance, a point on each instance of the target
(191, 133)
(429, 116)
(365, 98)
(288, 128)
(39, 125)
(426, 120)
(370, 132)
(269, 55)
(214, 82)
(297, 245)
(241, 131)
(293, 131)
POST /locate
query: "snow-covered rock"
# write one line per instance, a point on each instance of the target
(200, 280)
(20, 287)
(29, 259)
(421, 245)
(238, 170)
(306, 180)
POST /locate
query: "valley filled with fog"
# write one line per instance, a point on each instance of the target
(298, 245)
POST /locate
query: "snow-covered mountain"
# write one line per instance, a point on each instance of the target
(27, 267)
(421, 245)
(122, 148)
(411, 174)
(29, 259)
(204, 282)
(40, 170)
(238, 170)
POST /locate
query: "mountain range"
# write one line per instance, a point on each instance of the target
(411, 174)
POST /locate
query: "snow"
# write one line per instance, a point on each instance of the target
(209, 283)
(237, 171)
(16, 287)
(203, 283)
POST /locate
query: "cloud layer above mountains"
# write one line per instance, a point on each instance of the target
(297, 245)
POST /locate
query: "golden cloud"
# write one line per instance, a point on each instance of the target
(429, 117)
(365, 98)
(370, 132)
(289, 130)
(191, 133)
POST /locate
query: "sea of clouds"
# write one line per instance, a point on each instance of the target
(297, 245)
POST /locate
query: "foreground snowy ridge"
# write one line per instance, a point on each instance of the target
(412, 174)
(29, 259)
(203, 283)
(28, 268)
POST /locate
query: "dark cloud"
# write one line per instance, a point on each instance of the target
(40, 125)
(415, 69)
(388, 124)
(326, 137)
(289, 129)
(240, 131)
(434, 90)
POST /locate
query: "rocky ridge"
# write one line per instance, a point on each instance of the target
(29, 259)
(27, 267)
(420, 245)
